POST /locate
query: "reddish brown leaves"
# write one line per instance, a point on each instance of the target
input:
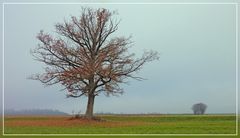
(85, 58)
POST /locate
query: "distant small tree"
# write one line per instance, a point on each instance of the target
(199, 108)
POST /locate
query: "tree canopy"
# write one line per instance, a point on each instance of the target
(85, 58)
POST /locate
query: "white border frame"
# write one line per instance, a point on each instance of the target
(117, 3)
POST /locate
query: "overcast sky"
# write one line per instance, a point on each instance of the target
(197, 58)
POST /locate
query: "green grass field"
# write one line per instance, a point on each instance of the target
(123, 124)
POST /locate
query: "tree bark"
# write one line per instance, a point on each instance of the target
(90, 104)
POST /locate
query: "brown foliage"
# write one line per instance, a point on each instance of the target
(85, 58)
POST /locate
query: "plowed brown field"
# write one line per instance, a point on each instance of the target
(68, 121)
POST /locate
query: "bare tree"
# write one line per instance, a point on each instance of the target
(199, 108)
(86, 59)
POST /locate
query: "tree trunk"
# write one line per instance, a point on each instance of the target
(90, 104)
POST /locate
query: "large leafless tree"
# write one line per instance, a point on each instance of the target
(86, 58)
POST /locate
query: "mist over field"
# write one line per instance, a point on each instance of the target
(197, 58)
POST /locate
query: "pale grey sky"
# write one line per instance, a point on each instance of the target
(197, 61)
